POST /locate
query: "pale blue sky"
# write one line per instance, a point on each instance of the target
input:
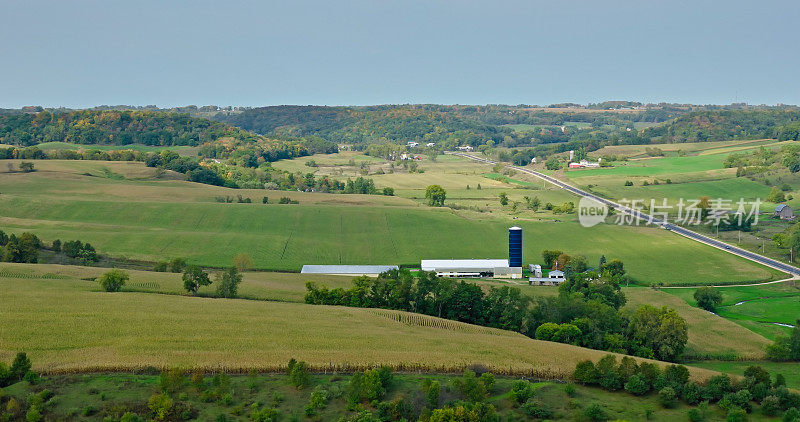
(86, 53)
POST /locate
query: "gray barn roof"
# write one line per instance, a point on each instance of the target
(780, 207)
(347, 269)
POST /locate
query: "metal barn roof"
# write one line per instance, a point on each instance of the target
(485, 264)
(347, 269)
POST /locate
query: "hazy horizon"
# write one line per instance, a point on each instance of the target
(89, 53)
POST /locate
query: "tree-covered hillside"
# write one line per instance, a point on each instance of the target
(92, 127)
(725, 125)
(362, 125)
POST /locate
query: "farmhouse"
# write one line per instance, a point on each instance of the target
(554, 278)
(784, 212)
(465, 148)
(412, 144)
(353, 270)
(584, 164)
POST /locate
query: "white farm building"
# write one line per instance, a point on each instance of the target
(471, 268)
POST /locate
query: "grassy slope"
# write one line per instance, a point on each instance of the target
(764, 305)
(82, 328)
(156, 219)
(709, 335)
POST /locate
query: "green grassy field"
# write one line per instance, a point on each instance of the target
(757, 308)
(136, 216)
(286, 237)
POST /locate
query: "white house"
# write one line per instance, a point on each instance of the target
(465, 148)
(412, 144)
(430, 144)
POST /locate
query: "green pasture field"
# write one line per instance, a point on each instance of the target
(152, 219)
(106, 393)
(729, 189)
(82, 328)
(692, 148)
(757, 308)
(284, 237)
(790, 370)
(506, 179)
(655, 166)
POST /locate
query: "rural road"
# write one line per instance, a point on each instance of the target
(769, 262)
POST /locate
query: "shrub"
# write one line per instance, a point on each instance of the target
(471, 387)
(20, 367)
(535, 410)
(160, 405)
(694, 415)
(33, 415)
(595, 412)
(736, 414)
(113, 280)
(692, 393)
(228, 282)
(667, 397)
(628, 183)
(771, 405)
(791, 415)
(585, 373)
(637, 385)
(432, 391)
(161, 267)
(569, 389)
(708, 298)
(177, 265)
(521, 391)
(131, 417)
(299, 377)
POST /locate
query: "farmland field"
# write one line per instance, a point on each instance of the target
(83, 328)
(757, 308)
(137, 217)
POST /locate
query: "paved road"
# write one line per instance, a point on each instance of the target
(794, 271)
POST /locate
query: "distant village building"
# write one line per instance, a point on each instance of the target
(784, 212)
(465, 148)
(584, 164)
(412, 144)
(430, 144)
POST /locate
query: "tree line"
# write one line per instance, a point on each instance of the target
(673, 384)
(587, 311)
(25, 249)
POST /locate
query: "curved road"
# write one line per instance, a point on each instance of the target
(769, 262)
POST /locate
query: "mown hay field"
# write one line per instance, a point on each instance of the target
(284, 237)
(68, 325)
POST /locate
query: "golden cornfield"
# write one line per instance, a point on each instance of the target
(68, 325)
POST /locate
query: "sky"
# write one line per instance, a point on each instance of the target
(357, 52)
